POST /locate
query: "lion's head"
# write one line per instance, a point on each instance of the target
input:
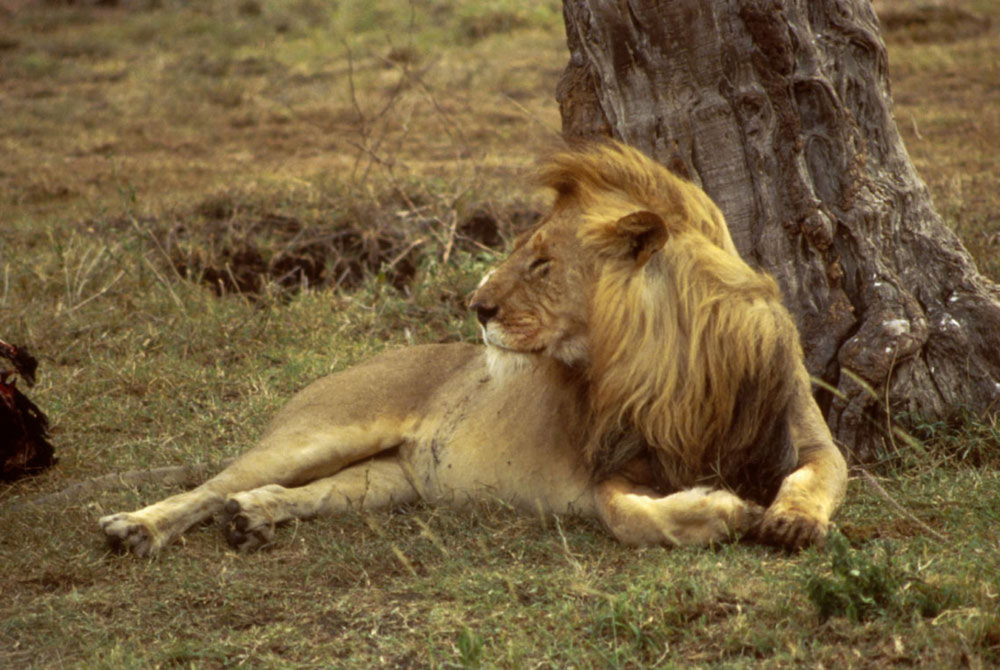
(633, 279)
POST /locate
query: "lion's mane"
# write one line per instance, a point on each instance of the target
(693, 359)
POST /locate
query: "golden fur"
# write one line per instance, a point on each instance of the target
(637, 371)
(693, 365)
(733, 348)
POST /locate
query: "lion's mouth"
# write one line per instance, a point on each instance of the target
(490, 339)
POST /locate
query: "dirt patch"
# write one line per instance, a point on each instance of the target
(896, 529)
(928, 23)
(244, 255)
(486, 227)
(234, 251)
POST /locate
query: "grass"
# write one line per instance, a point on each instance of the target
(203, 206)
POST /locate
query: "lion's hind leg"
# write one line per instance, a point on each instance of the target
(288, 456)
(145, 531)
(251, 516)
(637, 516)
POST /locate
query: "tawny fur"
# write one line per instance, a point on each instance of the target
(637, 371)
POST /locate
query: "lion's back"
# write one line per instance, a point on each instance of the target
(397, 384)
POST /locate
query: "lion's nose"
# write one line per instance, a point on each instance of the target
(484, 311)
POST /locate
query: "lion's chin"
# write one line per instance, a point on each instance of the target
(572, 352)
(512, 350)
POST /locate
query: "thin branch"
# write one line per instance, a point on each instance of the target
(452, 227)
(402, 254)
(867, 476)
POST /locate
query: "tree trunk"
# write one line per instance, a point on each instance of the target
(780, 110)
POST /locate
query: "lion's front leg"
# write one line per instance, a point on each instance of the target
(800, 514)
(638, 517)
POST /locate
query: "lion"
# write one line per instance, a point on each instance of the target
(635, 370)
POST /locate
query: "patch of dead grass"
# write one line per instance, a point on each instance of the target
(227, 96)
(947, 108)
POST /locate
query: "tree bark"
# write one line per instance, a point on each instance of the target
(781, 111)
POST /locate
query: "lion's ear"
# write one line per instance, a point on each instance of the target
(645, 232)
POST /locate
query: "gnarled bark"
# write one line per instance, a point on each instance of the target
(781, 111)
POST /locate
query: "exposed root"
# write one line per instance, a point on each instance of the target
(174, 475)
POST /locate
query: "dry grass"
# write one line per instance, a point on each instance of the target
(948, 110)
(172, 176)
(175, 103)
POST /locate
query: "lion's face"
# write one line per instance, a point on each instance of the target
(538, 300)
(535, 301)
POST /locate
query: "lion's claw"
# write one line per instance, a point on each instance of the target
(791, 531)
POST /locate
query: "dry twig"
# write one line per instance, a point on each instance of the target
(867, 476)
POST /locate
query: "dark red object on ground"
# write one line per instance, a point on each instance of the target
(24, 429)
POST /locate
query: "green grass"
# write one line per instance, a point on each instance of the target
(153, 143)
(432, 587)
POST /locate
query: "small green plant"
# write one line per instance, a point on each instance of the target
(860, 588)
(864, 588)
(470, 648)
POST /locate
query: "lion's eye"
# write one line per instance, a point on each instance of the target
(540, 266)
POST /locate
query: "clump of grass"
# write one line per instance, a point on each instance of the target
(470, 648)
(911, 442)
(962, 438)
(864, 588)
(629, 624)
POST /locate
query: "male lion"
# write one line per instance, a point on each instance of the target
(636, 369)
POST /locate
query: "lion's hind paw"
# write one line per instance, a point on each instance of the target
(125, 533)
(243, 531)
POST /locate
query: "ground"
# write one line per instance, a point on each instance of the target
(205, 205)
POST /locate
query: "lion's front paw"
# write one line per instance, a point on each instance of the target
(127, 532)
(791, 530)
(246, 529)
